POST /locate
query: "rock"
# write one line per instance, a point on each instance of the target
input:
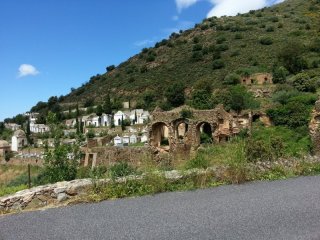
(16, 206)
(43, 198)
(28, 197)
(35, 203)
(59, 190)
(62, 197)
(173, 175)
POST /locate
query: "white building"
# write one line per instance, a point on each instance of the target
(126, 140)
(117, 141)
(144, 138)
(139, 116)
(118, 117)
(38, 128)
(33, 116)
(133, 139)
(106, 120)
(19, 140)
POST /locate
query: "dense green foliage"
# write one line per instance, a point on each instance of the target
(283, 39)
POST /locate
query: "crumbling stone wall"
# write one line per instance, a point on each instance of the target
(222, 124)
(110, 155)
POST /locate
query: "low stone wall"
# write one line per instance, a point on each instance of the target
(44, 195)
(109, 155)
(55, 194)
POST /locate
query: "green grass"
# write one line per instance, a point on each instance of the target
(4, 190)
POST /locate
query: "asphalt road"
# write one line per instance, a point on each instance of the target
(263, 210)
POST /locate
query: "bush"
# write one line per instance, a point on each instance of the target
(186, 113)
(315, 45)
(232, 79)
(279, 74)
(110, 68)
(175, 94)
(198, 162)
(270, 29)
(197, 47)
(221, 39)
(292, 115)
(221, 47)
(90, 134)
(201, 99)
(265, 41)
(303, 83)
(291, 57)
(237, 98)
(218, 64)
(257, 150)
(121, 169)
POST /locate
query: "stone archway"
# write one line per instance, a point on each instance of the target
(181, 129)
(160, 135)
(204, 133)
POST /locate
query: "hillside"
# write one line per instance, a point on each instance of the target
(246, 43)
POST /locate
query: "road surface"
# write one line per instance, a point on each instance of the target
(287, 209)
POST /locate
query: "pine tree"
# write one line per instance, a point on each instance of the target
(107, 106)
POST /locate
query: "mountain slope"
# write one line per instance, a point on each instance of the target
(244, 44)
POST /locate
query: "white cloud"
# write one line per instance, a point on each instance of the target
(182, 4)
(233, 7)
(27, 70)
(228, 7)
(181, 25)
(144, 43)
(278, 1)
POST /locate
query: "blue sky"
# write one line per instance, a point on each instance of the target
(48, 47)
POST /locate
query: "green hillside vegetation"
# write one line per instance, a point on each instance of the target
(203, 66)
(283, 39)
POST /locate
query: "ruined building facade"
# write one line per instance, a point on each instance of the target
(175, 133)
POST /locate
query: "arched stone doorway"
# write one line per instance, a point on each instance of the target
(181, 128)
(160, 135)
(204, 133)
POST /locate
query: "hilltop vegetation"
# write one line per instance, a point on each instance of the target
(283, 39)
(203, 66)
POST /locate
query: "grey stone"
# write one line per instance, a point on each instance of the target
(62, 197)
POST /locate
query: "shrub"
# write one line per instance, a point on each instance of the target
(110, 68)
(121, 169)
(218, 64)
(279, 74)
(186, 113)
(265, 41)
(257, 150)
(291, 57)
(221, 39)
(197, 47)
(200, 161)
(201, 99)
(197, 56)
(303, 83)
(232, 79)
(221, 47)
(270, 29)
(292, 115)
(238, 36)
(90, 134)
(315, 45)
(175, 94)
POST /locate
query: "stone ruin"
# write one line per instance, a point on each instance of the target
(171, 133)
(175, 136)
